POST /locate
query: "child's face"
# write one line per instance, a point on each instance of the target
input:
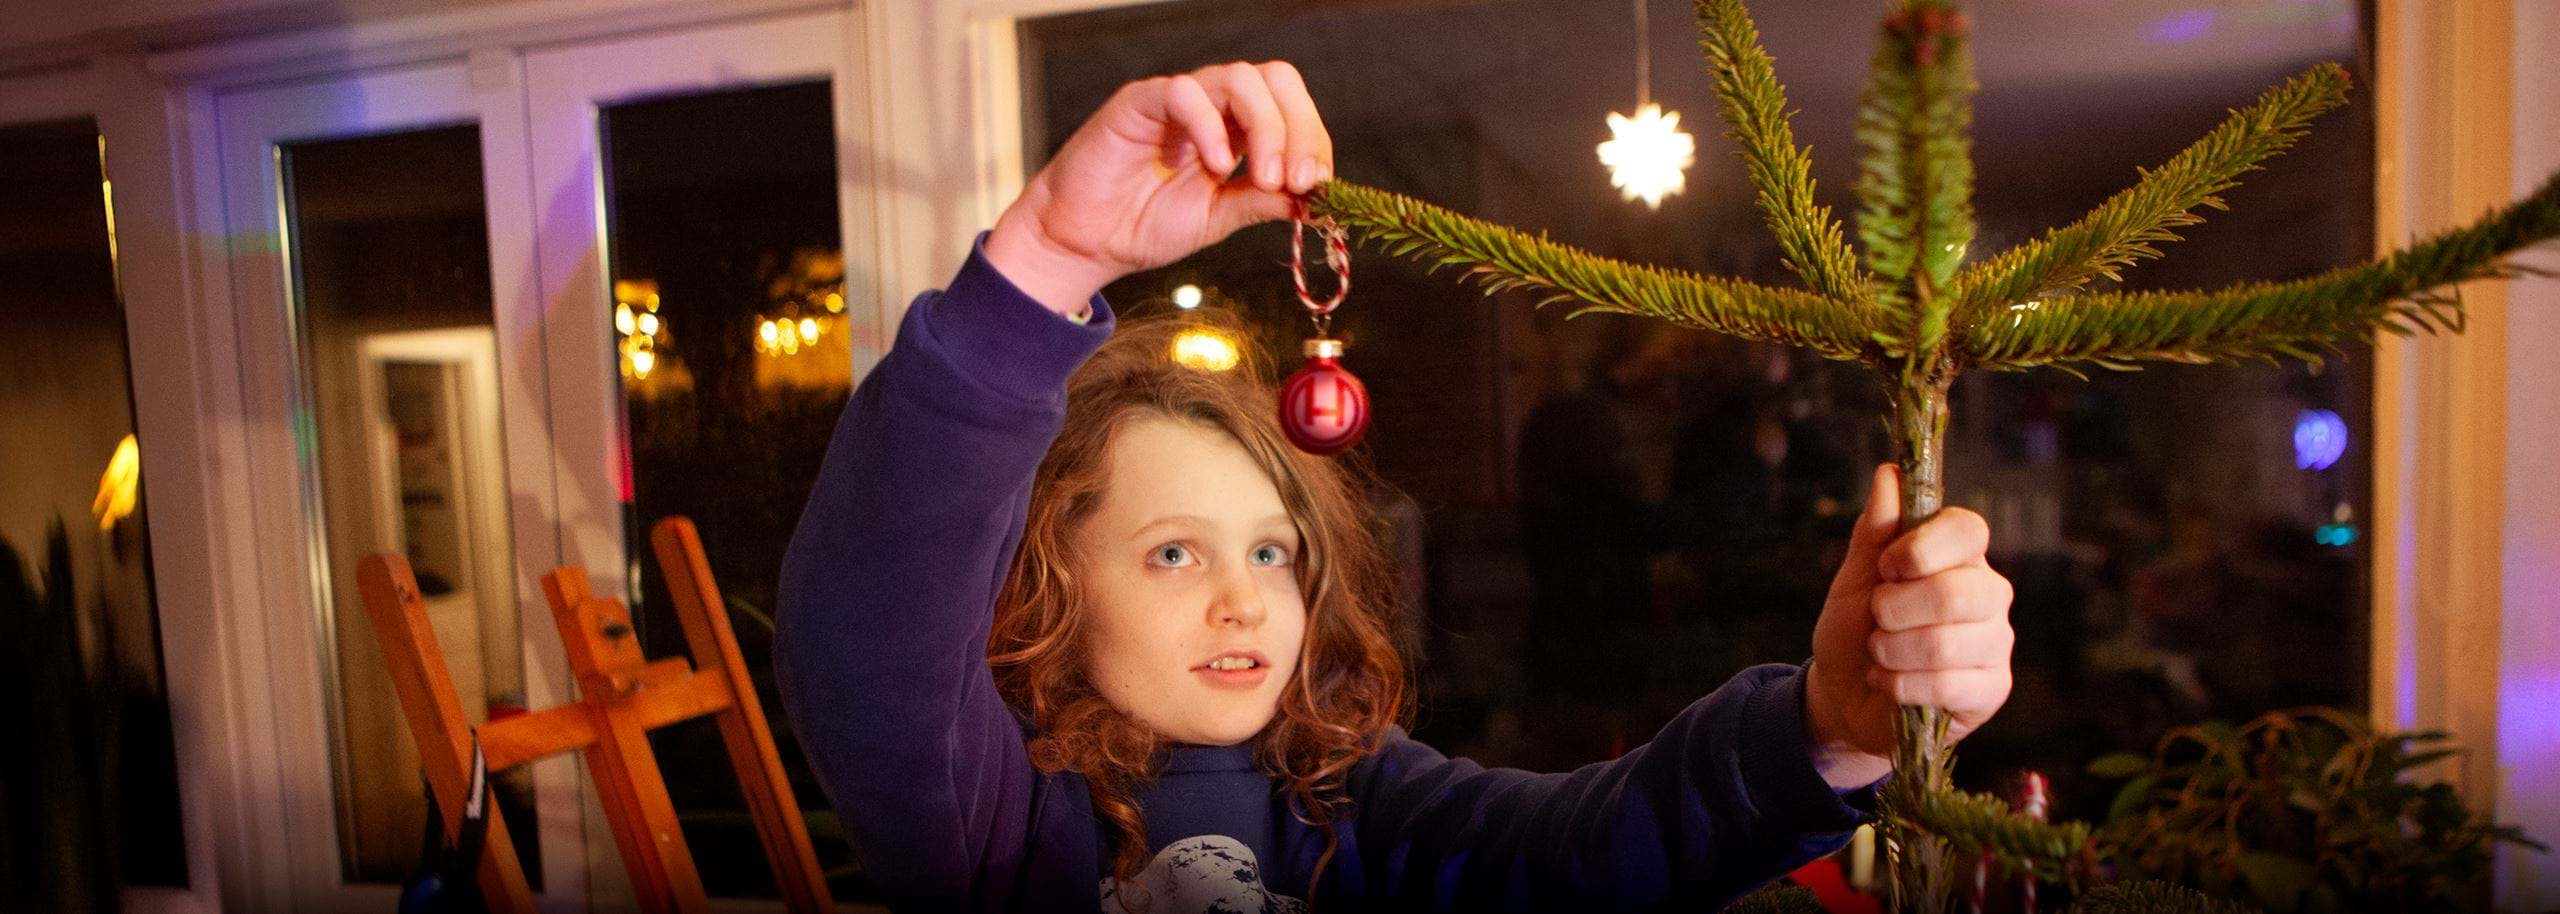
(1190, 560)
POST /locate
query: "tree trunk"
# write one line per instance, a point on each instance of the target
(1922, 867)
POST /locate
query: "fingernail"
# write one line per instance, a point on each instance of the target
(1304, 176)
(1267, 171)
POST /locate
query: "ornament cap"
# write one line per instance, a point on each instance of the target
(1322, 348)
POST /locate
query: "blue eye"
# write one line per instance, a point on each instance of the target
(1270, 554)
(1170, 555)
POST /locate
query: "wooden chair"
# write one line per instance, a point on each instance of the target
(622, 696)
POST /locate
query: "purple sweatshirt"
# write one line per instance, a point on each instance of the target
(887, 597)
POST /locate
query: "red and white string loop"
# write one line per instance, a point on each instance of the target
(1337, 254)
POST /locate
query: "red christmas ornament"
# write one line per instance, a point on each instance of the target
(1323, 408)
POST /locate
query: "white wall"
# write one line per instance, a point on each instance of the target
(70, 31)
(2529, 649)
(66, 21)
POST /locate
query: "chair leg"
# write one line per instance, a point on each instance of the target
(742, 726)
(434, 712)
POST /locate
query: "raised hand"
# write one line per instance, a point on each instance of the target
(1916, 618)
(1146, 180)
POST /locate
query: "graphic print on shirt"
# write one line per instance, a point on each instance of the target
(1207, 874)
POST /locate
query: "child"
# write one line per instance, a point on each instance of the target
(1066, 625)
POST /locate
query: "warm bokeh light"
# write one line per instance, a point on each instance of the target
(635, 291)
(786, 336)
(1186, 296)
(1648, 154)
(107, 196)
(119, 485)
(1205, 350)
(635, 317)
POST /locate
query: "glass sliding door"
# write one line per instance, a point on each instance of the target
(720, 209)
(395, 406)
(398, 353)
(499, 315)
(707, 346)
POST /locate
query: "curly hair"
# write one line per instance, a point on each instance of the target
(1349, 687)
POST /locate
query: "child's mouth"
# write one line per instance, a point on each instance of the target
(1234, 671)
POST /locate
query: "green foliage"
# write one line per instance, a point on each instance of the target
(1504, 259)
(2052, 852)
(2263, 320)
(1754, 107)
(2305, 810)
(2126, 227)
(2147, 897)
(1777, 899)
(1915, 183)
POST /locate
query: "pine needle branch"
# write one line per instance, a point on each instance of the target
(1778, 898)
(2148, 897)
(2051, 851)
(2263, 320)
(1754, 108)
(2130, 224)
(1503, 259)
(1915, 183)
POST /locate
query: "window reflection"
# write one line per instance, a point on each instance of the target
(391, 245)
(729, 307)
(88, 711)
(1607, 518)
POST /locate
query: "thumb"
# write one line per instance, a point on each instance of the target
(1242, 204)
(1876, 527)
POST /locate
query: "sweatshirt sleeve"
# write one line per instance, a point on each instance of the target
(1723, 800)
(889, 584)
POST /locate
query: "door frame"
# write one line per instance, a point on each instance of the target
(567, 86)
(223, 654)
(282, 483)
(547, 262)
(105, 93)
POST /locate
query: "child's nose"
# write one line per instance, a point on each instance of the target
(1239, 599)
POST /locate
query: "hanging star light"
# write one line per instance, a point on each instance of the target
(1647, 154)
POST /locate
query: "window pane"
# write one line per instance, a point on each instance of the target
(391, 247)
(75, 552)
(728, 269)
(1617, 516)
